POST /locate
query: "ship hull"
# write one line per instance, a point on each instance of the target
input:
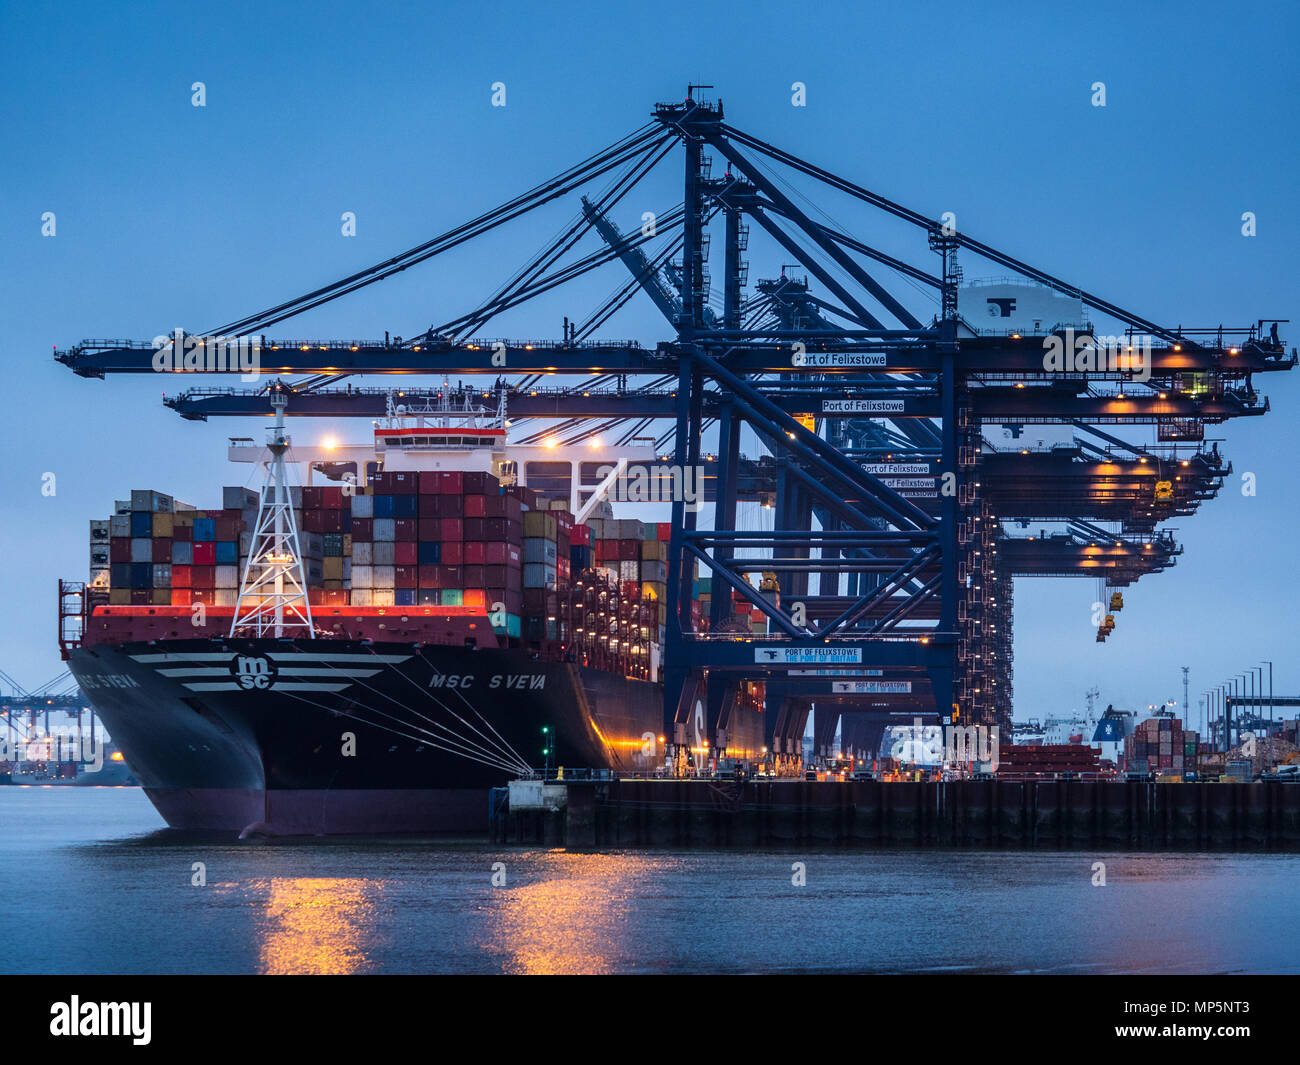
(315, 737)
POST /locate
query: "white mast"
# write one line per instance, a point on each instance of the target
(273, 592)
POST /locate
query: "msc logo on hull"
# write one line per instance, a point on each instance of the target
(253, 672)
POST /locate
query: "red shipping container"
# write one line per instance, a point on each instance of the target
(430, 529)
(494, 553)
(119, 549)
(580, 534)
(403, 483)
(184, 533)
(406, 553)
(331, 521)
(228, 528)
(332, 497)
(429, 576)
(475, 506)
(205, 554)
(476, 528)
(453, 554)
(664, 531)
(514, 556)
(451, 506)
(451, 577)
(140, 596)
(474, 597)
(180, 576)
(562, 569)
(495, 576)
(406, 576)
(473, 576)
(406, 529)
(430, 506)
(180, 596)
(631, 590)
(162, 549)
(206, 596)
(313, 521)
(451, 483)
(629, 550)
(452, 529)
(313, 497)
(475, 551)
(428, 482)
(203, 577)
(363, 529)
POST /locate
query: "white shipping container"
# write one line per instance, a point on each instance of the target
(362, 596)
(119, 525)
(383, 597)
(384, 577)
(363, 506)
(225, 597)
(361, 551)
(362, 577)
(141, 549)
(383, 552)
(227, 577)
(629, 571)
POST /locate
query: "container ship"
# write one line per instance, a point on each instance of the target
(373, 655)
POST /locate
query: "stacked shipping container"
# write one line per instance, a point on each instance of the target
(1161, 744)
(414, 538)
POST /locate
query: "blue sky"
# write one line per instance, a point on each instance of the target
(172, 215)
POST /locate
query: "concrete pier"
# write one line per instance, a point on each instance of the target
(1053, 815)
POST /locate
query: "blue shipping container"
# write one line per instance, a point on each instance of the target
(430, 552)
(383, 506)
(227, 553)
(141, 524)
(205, 529)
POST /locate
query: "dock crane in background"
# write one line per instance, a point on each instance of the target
(890, 565)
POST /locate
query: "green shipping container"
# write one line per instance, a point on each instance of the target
(453, 597)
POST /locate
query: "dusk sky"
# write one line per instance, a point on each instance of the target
(173, 215)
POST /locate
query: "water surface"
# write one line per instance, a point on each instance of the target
(91, 882)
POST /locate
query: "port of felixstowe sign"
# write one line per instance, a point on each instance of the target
(812, 656)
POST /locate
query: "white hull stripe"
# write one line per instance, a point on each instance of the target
(285, 671)
(292, 686)
(356, 658)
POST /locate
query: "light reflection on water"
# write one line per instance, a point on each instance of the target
(573, 918)
(313, 925)
(91, 886)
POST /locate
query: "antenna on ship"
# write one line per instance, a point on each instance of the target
(273, 592)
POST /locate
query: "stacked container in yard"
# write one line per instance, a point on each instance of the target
(1162, 745)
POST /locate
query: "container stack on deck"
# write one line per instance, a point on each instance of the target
(414, 539)
(1162, 745)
